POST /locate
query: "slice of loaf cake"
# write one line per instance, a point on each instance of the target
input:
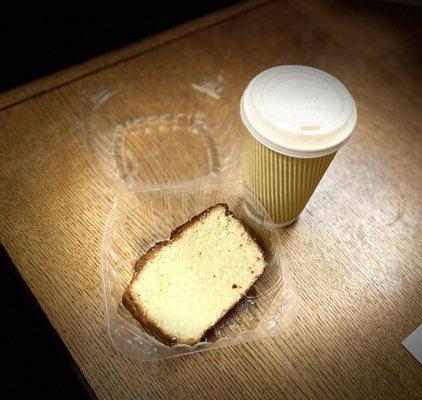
(183, 286)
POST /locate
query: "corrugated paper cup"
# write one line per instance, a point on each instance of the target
(297, 118)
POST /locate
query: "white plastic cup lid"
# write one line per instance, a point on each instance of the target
(298, 111)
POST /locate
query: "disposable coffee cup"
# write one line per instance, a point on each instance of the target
(297, 118)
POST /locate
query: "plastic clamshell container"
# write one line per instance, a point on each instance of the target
(139, 136)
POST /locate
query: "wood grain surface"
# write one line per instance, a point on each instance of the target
(355, 252)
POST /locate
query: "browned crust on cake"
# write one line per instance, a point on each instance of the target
(130, 302)
(129, 299)
(177, 232)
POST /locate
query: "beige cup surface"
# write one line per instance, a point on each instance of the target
(282, 183)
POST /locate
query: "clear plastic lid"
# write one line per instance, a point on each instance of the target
(145, 137)
(168, 151)
(298, 111)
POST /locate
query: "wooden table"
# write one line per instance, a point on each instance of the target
(355, 253)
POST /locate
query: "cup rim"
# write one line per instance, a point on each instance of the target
(291, 152)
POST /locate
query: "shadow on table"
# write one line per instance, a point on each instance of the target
(34, 359)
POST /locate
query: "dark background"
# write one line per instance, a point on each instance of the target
(39, 38)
